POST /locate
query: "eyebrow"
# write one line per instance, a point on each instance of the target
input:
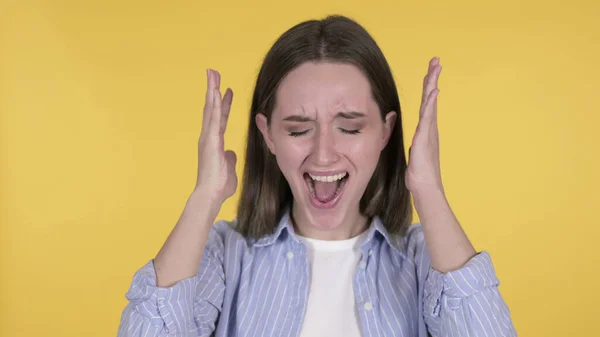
(346, 115)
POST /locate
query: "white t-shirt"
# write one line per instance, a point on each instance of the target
(331, 309)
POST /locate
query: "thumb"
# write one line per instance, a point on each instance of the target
(231, 158)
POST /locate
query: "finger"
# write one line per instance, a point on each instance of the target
(437, 75)
(215, 120)
(430, 109)
(434, 61)
(428, 118)
(226, 108)
(436, 92)
(217, 95)
(432, 84)
(208, 100)
(426, 79)
(218, 80)
(231, 158)
(423, 95)
(430, 80)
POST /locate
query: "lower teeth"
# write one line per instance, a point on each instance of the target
(312, 189)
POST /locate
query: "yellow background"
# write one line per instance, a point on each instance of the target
(101, 105)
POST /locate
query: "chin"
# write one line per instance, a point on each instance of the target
(325, 220)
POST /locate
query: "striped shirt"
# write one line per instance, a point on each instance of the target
(259, 287)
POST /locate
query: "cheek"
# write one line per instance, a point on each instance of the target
(290, 153)
(364, 153)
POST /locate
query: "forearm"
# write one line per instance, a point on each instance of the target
(447, 243)
(180, 256)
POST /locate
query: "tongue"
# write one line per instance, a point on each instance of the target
(325, 191)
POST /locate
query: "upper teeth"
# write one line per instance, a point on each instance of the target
(328, 178)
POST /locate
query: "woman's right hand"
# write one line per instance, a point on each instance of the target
(216, 167)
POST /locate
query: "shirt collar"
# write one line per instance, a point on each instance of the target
(397, 242)
(284, 223)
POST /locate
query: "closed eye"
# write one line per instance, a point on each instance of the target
(298, 133)
(350, 132)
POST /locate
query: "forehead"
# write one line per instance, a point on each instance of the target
(324, 88)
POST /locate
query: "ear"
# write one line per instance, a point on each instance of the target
(263, 125)
(388, 127)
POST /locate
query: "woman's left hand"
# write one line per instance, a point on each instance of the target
(447, 243)
(423, 174)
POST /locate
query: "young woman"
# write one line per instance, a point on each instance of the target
(322, 244)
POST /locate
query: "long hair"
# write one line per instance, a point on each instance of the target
(265, 193)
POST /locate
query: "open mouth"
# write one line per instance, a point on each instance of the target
(325, 190)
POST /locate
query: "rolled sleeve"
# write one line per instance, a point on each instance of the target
(171, 307)
(188, 308)
(466, 301)
(475, 276)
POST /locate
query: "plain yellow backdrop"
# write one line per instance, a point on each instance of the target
(100, 112)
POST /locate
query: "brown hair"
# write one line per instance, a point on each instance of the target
(265, 194)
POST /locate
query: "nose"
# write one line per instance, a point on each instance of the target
(325, 153)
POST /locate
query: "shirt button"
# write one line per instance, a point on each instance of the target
(363, 265)
(290, 255)
(370, 252)
(368, 306)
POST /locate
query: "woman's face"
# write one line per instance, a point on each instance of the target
(327, 133)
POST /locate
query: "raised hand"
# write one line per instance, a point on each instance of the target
(180, 256)
(216, 167)
(423, 173)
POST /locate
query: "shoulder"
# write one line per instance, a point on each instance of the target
(224, 228)
(414, 235)
(416, 251)
(223, 236)
(414, 241)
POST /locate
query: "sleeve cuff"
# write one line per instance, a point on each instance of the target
(163, 306)
(475, 276)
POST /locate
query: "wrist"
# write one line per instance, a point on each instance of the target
(430, 203)
(428, 194)
(205, 201)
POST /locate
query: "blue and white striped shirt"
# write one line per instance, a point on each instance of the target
(257, 288)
